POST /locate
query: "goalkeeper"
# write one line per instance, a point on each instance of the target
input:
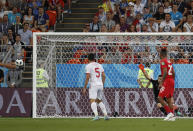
(156, 90)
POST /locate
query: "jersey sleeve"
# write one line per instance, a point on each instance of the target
(102, 69)
(87, 69)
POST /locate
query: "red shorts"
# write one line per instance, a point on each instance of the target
(167, 89)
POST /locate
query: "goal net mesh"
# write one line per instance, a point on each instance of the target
(64, 57)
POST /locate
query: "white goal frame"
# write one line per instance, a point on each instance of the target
(35, 34)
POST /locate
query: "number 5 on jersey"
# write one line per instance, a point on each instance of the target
(98, 72)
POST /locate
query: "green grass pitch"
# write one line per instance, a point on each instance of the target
(114, 124)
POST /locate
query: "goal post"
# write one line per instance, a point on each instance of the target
(61, 58)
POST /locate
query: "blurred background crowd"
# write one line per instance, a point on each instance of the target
(142, 16)
(20, 18)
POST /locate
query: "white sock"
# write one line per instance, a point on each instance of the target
(102, 106)
(94, 108)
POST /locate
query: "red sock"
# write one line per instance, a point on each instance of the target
(167, 109)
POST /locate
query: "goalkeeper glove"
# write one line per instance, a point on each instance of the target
(141, 66)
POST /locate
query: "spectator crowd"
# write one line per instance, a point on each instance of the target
(18, 20)
(143, 16)
(23, 17)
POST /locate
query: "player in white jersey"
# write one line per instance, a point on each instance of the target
(96, 77)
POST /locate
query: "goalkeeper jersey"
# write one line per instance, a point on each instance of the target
(142, 78)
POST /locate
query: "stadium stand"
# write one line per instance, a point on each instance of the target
(82, 13)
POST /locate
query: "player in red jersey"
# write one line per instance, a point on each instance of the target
(167, 85)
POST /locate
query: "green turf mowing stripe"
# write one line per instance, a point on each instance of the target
(29, 124)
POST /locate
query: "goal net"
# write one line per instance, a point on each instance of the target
(61, 58)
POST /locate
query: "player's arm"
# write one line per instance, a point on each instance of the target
(149, 82)
(9, 65)
(144, 72)
(149, 77)
(103, 77)
(140, 83)
(86, 82)
(146, 75)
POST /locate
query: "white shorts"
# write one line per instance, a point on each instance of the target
(96, 92)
